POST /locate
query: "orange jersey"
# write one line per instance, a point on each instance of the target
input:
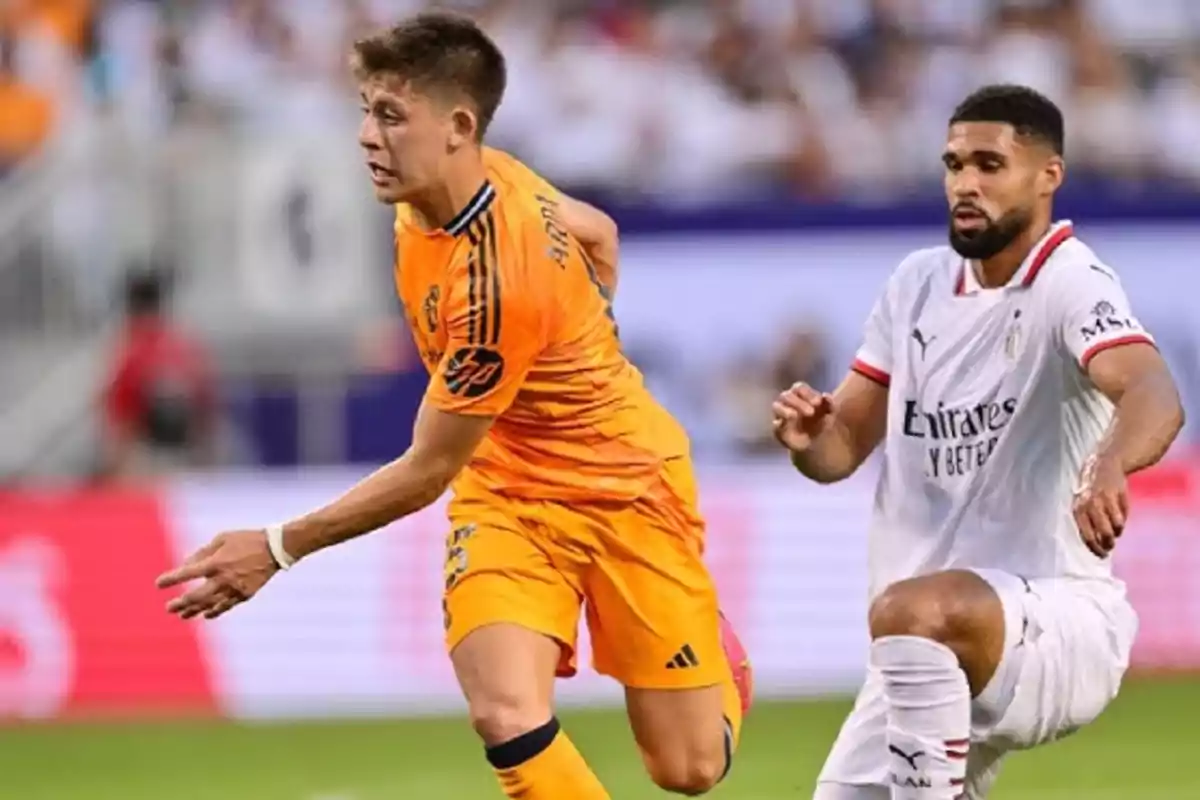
(513, 322)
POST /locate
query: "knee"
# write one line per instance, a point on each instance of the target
(499, 718)
(688, 773)
(919, 608)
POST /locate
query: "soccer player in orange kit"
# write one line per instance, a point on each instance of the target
(570, 483)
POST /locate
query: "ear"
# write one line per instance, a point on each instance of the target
(1051, 176)
(464, 127)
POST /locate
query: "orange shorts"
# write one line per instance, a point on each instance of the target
(651, 604)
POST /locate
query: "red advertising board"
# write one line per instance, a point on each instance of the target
(82, 628)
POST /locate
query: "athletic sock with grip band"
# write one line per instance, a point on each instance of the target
(543, 765)
(929, 717)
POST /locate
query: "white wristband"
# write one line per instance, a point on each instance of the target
(275, 544)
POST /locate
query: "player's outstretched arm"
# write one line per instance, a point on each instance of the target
(596, 232)
(1149, 415)
(830, 436)
(443, 443)
(235, 565)
(1103, 335)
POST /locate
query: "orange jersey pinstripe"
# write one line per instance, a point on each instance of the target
(512, 321)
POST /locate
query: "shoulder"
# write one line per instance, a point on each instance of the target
(924, 267)
(926, 261)
(1075, 261)
(508, 173)
(1075, 274)
(533, 235)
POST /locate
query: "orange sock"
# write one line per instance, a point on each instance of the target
(544, 765)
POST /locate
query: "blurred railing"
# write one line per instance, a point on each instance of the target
(60, 224)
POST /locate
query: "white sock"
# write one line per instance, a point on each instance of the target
(929, 717)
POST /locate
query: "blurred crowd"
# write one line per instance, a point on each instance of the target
(675, 101)
(685, 98)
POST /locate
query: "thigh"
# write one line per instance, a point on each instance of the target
(652, 606)
(681, 730)
(1074, 655)
(497, 573)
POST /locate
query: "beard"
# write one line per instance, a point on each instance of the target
(991, 239)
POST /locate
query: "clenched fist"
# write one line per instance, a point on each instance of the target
(1101, 504)
(801, 413)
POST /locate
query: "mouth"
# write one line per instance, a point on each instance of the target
(967, 217)
(380, 174)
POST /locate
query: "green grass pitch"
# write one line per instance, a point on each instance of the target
(1140, 750)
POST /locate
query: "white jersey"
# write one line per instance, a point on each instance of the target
(990, 411)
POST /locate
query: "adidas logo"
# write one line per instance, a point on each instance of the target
(684, 659)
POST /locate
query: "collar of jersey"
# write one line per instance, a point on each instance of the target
(968, 282)
(472, 210)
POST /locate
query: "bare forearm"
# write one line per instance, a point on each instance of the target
(1149, 416)
(831, 457)
(390, 493)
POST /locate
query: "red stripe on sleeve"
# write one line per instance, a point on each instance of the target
(871, 373)
(1100, 347)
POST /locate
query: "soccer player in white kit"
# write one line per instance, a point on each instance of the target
(1014, 390)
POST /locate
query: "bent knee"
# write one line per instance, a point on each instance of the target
(940, 607)
(499, 719)
(690, 773)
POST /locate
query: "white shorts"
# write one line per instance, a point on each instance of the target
(1066, 649)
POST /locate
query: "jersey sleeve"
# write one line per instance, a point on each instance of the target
(874, 357)
(1095, 314)
(495, 323)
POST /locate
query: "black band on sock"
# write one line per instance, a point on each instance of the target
(728, 749)
(525, 747)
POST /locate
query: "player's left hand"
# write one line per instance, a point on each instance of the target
(233, 567)
(1101, 504)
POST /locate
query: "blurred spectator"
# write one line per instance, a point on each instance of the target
(41, 60)
(752, 386)
(688, 100)
(159, 399)
(218, 130)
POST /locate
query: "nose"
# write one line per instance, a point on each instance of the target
(964, 185)
(368, 134)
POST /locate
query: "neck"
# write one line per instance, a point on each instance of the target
(442, 202)
(1000, 268)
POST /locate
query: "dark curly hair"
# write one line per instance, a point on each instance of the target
(1031, 113)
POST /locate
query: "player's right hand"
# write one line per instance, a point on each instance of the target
(801, 413)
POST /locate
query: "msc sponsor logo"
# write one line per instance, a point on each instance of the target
(1107, 319)
(961, 439)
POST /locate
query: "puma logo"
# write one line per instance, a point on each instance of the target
(911, 759)
(920, 339)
